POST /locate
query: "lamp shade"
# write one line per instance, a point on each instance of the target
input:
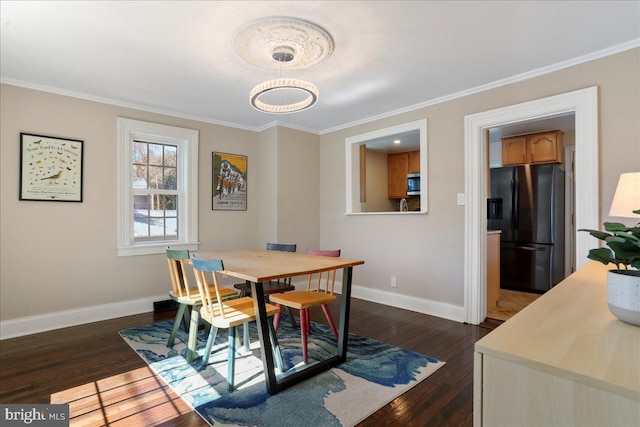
(627, 197)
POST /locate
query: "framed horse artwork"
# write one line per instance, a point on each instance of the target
(229, 182)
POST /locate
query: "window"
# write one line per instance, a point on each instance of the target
(157, 187)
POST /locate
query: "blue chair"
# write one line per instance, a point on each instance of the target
(227, 314)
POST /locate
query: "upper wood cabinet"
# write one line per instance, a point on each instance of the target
(400, 165)
(414, 161)
(514, 151)
(542, 147)
(398, 170)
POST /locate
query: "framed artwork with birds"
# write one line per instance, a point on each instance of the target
(50, 168)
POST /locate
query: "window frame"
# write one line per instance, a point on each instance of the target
(186, 141)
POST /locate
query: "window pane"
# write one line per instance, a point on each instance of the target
(171, 206)
(155, 154)
(157, 229)
(139, 176)
(170, 179)
(140, 218)
(170, 155)
(156, 178)
(171, 229)
(156, 209)
(140, 204)
(139, 152)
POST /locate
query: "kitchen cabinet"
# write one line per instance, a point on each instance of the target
(493, 268)
(541, 147)
(414, 161)
(565, 360)
(400, 165)
(398, 170)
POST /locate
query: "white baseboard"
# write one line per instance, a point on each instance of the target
(424, 306)
(63, 319)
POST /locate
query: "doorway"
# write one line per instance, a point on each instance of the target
(556, 232)
(584, 104)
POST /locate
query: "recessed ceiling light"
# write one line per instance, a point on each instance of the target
(396, 141)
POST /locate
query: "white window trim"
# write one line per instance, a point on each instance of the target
(187, 142)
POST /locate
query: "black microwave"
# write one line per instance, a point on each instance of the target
(413, 184)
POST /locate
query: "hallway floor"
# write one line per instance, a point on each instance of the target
(510, 303)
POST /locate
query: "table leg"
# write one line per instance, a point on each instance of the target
(345, 308)
(273, 385)
(263, 334)
(193, 333)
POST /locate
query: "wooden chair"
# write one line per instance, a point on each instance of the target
(227, 314)
(274, 286)
(185, 296)
(303, 300)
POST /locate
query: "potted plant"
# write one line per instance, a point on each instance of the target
(623, 282)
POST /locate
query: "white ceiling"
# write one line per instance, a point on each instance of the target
(177, 57)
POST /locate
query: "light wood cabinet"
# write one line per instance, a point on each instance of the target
(565, 360)
(514, 151)
(398, 170)
(542, 147)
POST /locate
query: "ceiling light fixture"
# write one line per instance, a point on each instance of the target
(286, 84)
(283, 54)
(293, 44)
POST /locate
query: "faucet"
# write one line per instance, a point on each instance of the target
(403, 205)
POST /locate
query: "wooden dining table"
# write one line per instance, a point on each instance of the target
(258, 266)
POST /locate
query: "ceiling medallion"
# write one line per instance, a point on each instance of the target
(310, 44)
(285, 44)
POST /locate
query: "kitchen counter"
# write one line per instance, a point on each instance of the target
(563, 360)
(494, 231)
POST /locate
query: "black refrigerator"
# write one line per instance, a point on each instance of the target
(527, 204)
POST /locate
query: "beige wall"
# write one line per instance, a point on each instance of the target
(425, 252)
(62, 256)
(298, 184)
(268, 186)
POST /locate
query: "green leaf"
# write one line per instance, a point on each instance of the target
(624, 251)
(614, 226)
(602, 255)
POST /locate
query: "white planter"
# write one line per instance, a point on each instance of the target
(623, 295)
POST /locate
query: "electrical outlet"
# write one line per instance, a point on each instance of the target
(394, 282)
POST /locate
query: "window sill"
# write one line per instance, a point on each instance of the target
(155, 248)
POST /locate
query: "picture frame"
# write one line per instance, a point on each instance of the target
(51, 168)
(229, 182)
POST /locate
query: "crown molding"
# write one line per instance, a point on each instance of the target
(498, 83)
(109, 101)
(520, 77)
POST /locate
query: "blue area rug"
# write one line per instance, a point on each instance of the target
(375, 373)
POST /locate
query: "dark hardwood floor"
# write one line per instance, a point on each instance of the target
(110, 385)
